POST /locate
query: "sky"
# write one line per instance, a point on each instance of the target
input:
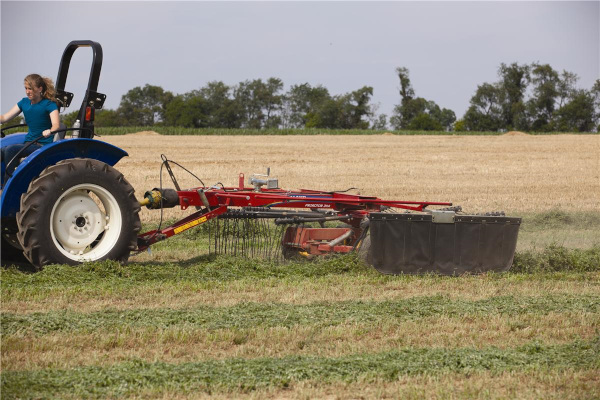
(449, 47)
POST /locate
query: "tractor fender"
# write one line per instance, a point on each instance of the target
(48, 155)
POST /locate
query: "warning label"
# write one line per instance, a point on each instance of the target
(189, 225)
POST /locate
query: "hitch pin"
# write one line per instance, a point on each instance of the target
(204, 199)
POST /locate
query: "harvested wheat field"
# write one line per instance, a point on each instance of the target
(511, 172)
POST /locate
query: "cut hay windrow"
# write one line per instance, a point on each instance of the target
(246, 315)
(245, 375)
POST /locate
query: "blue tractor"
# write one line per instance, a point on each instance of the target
(65, 203)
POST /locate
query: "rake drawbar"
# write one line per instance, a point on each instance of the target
(395, 237)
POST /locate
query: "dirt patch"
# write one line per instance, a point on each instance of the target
(515, 133)
(387, 134)
(144, 133)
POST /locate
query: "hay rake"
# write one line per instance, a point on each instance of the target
(394, 236)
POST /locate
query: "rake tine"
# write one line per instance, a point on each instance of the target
(220, 231)
(209, 236)
(235, 238)
(243, 229)
(225, 233)
(264, 239)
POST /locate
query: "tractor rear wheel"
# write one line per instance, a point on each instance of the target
(76, 211)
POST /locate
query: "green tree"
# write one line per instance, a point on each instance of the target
(356, 107)
(301, 103)
(103, 118)
(447, 118)
(405, 111)
(259, 102)
(406, 90)
(554, 104)
(327, 115)
(424, 122)
(485, 111)
(271, 101)
(579, 114)
(459, 126)
(541, 106)
(144, 106)
(189, 110)
(566, 87)
(411, 107)
(347, 111)
(223, 110)
(379, 123)
(514, 79)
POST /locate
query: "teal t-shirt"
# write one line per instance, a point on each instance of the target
(37, 117)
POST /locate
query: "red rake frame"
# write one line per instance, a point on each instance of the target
(312, 241)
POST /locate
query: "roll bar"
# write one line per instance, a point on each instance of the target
(92, 100)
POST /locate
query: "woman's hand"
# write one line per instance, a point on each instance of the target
(46, 133)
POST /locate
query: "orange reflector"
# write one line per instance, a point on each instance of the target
(88, 113)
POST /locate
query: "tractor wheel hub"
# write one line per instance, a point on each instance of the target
(78, 221)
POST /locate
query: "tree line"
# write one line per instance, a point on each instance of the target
(526, 97)
(255, 104)
(533, 97)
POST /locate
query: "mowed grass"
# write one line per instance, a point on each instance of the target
(179, 323)
(573, 230)
(233, 327)
(250, 374)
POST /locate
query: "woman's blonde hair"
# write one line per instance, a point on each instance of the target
(48, 89)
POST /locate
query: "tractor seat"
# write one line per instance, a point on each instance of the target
(60, 135)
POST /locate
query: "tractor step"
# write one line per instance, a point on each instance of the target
(429, 243)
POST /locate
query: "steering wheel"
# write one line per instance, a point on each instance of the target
(10, 127)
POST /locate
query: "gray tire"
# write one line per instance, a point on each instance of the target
(76, 211)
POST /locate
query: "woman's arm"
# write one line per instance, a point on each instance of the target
(10, 115)
(54, 118)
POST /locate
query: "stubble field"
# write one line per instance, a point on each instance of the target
(510, 172)
(178, 323)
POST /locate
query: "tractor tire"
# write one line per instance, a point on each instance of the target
(78, 210)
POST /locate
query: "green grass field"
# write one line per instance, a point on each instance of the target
(180, 323)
